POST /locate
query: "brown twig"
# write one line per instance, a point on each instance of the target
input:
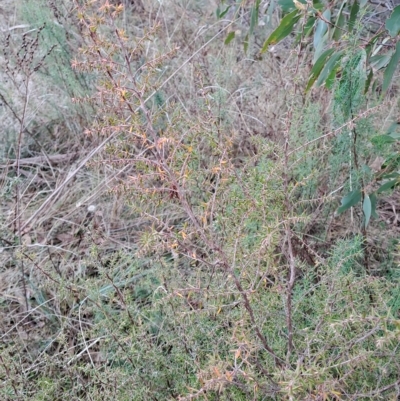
(288, 242)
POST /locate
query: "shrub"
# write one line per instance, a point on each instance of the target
(238, 280)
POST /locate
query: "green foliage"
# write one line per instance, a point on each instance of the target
(284, 29)
(391, 68)
(350, 89)
(332, 33)
(320, 64)
(230, 37)
(393, 23)
(230, 276)
(351, 199)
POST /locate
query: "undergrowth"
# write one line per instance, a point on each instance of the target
(192, 248)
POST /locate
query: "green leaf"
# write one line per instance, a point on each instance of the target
(287, 5)
(380, 61)
(284, 29)
(394, 126)
(367, 209)
(318, 5)
(332, 77)
(388, 176)
(349, 200)
(246, 43)
(353, 15)
(254, 16)
(374, 86)
(393, 23)
(391, 68)
(307, 30)
(223, 13)
(368, 80)
(371, 44)
(330, 66)
(269, 13)
(230, 37)
(382, 139)
(374, 201)
(309, 25)
(321, 29)
(388, 185)
(317, 68)
(339, 24)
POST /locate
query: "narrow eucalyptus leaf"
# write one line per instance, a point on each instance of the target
(338, 30)
(367, 209)
(309, 26)
(317, 68)
(286, 5)
(318, 4)
(284, 29)
(340, 18)
(380, 61)
(350, 200)
(374, 201)
(388, 185)
(391, 68)
(393, 23)
(391, 175)
(368, 80)
(321, 29)
(353, 15)
(254, 17)
(371, 44)
(329, 67)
